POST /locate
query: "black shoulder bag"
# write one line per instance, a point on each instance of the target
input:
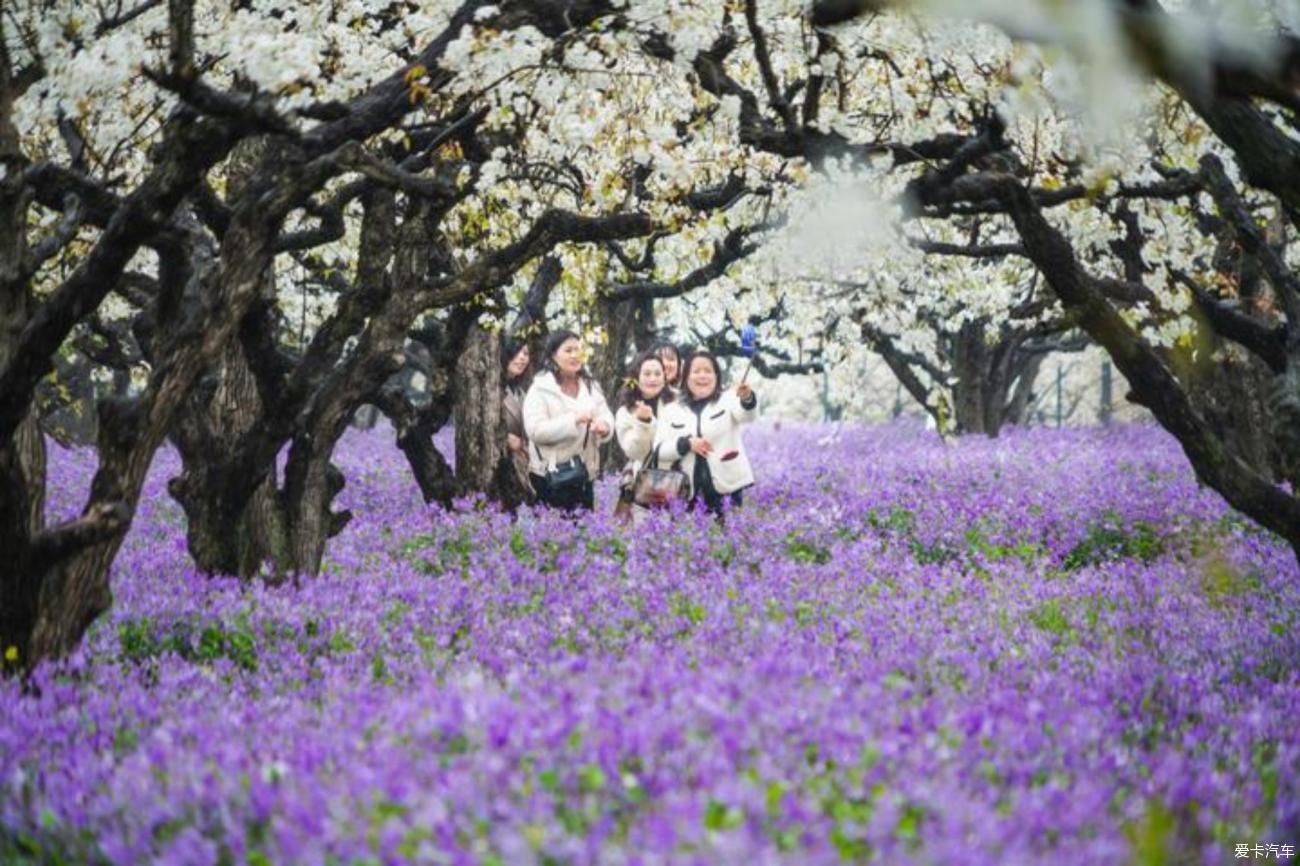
(566, 485)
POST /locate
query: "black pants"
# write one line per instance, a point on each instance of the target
(582, 500)
(713, 500)
(702, 482)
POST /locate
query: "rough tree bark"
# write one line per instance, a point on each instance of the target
(416, 252)
(22, 458)
(415, 429)
(991, 381)
(228, 531)
(1228, 385)
(73, 586)
(1023, 393)
(311, 482)
(53, 581)
(480, 436)
(1229, 388)
(628, 325)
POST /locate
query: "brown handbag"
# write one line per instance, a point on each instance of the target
(658, 488)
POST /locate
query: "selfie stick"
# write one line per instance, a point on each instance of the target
(748, 338)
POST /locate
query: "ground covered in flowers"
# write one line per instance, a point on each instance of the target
(1048, 648)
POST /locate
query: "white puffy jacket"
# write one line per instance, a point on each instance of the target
(635, 436)
(719, 422)
(550, 420)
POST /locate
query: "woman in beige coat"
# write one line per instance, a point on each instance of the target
(566, 419)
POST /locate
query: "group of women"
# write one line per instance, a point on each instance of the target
(670, 415)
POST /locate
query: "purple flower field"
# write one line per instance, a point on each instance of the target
(1052, 647)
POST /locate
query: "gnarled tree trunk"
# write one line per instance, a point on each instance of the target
(992, 380)
(310, 485)
(1017, 411)
(227, 531)
(480, 435)
(22, 457)
(629, 325)
(977, 389)
(230, 529)
(415, 428)
(1231, 390)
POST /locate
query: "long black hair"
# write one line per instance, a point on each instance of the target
(686, 396)
(554, 341)
(510, 347)
(632, 388)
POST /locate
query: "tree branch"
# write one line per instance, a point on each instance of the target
(902, 364)
(1268, 343)
(255, 109)
(732, 249)
(180, 56)
(102, 522)
(124, 18)
(533, 309)
(977, 251)
(56, 241)
(192, 149)
(1252, 240)
(761, 54)
(1153, 384)
(551, 228)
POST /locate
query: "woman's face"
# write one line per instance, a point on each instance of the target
(700, 379)
(568, 358)
(519, 363)
(650, 378)
(670, 362)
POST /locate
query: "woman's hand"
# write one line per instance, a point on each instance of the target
(514, 443)
(644, 412)
(600, 428)
(582, 418)
(701, 446)
(744, 391)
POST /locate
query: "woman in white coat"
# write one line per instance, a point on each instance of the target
(636, 419)
(566, 418)
(702, 430)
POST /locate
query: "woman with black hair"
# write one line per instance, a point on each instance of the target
(566, 419)
(702, 429)
(516, 376)
(672, 361)
(634, 423)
